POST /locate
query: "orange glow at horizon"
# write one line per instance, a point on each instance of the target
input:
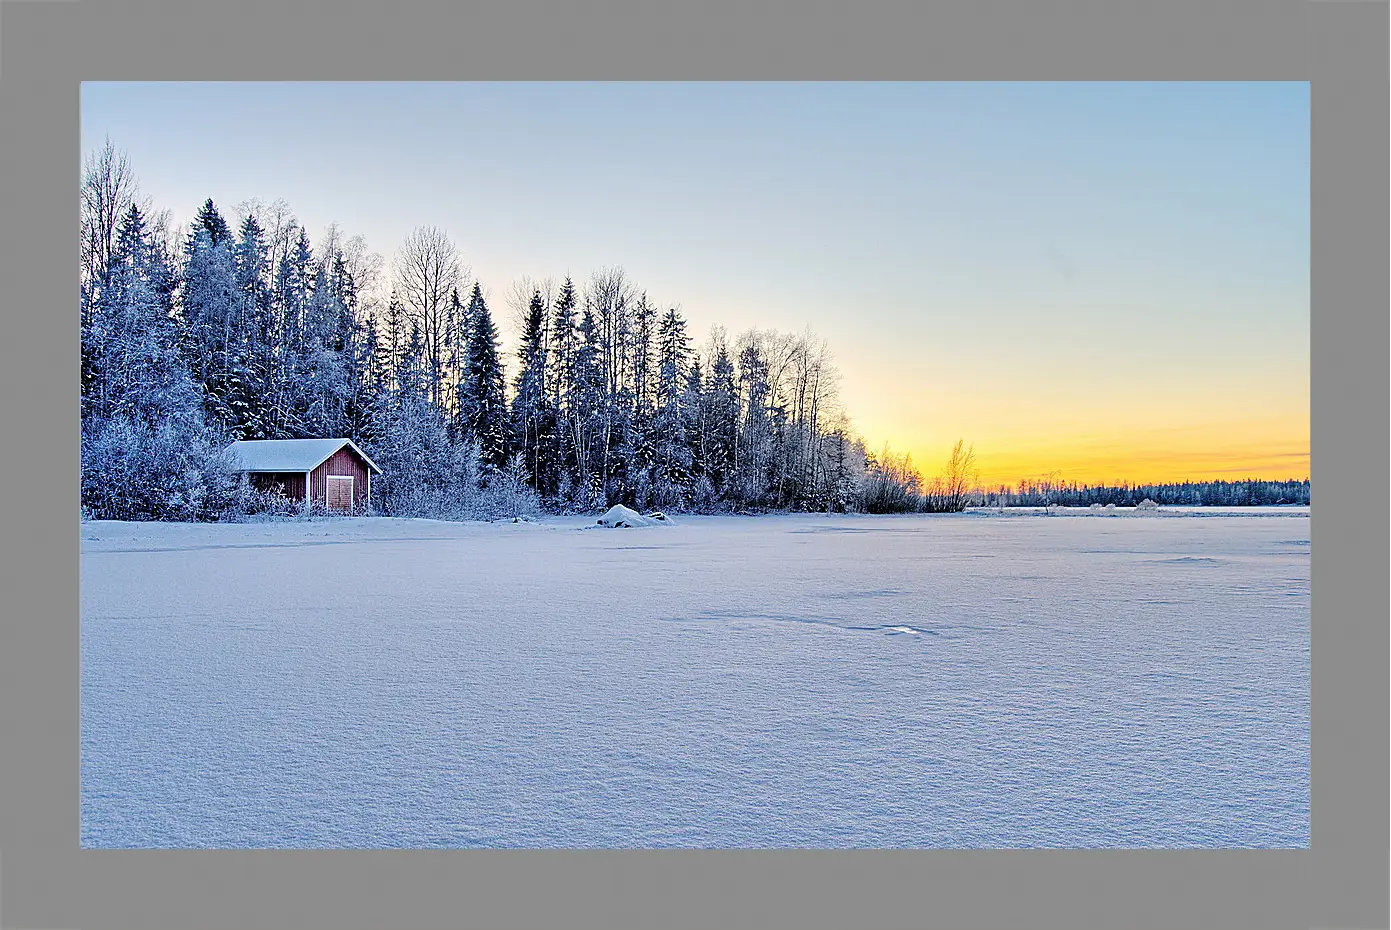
(1115, 469)
(1181, 456)
(1147, 414)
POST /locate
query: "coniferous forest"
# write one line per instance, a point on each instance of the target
(239, 326)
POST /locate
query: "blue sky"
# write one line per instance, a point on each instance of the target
(1101, 280)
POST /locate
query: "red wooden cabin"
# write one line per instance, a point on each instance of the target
(336, 472)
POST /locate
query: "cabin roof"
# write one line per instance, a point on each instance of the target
(282, 455)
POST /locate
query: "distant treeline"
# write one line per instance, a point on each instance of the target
(1247, 493)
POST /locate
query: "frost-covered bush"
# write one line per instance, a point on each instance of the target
(506, 493)
(251, 501)
(135, 471)
(426, 475)
(890, 485)
(1146, 505)
(423, 473)
(665, 494)
(880, 493)
(703, 498)
(578, 496)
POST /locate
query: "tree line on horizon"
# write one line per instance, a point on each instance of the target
(247, 329)
(1249, 492)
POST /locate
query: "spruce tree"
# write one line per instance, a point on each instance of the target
(671, 472)
(753, 449)
(146, 451)
(456, 348)
(212, 222)
(533, 417)
(643, 454)
(481, 393)
(211, 308)
(394, 340)
(563, 343)
(585, 417)
(325, 379)
(723, 412)
(697, 417)
(255, 342)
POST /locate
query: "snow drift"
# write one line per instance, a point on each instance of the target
(618, 515)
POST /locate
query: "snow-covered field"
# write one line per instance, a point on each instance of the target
(1077, 679)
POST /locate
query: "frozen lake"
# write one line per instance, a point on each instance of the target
(975, 680)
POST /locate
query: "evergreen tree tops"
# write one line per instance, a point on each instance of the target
(210, 221)
(482, 406)
(530, 385)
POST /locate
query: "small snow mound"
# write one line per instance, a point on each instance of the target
(618, 515)
(659, 517)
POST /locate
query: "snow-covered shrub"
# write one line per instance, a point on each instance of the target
(881, 493)
(577, 495)
(134, 471)
(251, 501)
(423, 473)
(1146, 505)
(506, 494)
(665, 494)
(702, 498)
(890, 485)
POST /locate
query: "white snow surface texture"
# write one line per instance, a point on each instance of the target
(972, 680)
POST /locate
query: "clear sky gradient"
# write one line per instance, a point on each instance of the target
(1102, 282)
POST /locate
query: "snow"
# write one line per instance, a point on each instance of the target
(620, 516)
(965, 680)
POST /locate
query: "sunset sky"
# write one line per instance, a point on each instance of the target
(1101, 282)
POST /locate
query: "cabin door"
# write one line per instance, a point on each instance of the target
(340, 493)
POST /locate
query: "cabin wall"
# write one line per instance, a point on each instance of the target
(291, 483)
(342, 462)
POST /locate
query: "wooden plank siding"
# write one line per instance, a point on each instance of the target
(342, 462)
(291, 483)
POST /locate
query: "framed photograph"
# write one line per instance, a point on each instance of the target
(714, 466)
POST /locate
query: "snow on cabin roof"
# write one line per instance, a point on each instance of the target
(289, 454)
